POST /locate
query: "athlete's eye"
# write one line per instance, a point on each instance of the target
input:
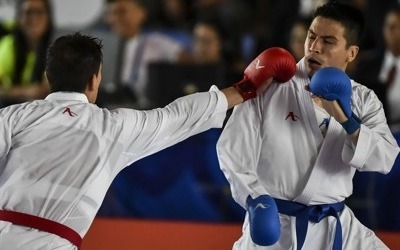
(329, 41)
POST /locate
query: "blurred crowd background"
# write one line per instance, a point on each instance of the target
(158, 50)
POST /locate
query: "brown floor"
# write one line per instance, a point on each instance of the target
(151, 235)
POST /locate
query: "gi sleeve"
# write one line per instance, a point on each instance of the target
(5, 132)
(376, 149)
(147, 132)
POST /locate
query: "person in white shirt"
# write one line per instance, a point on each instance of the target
(296, 153)
(138, 49)
(58, 156)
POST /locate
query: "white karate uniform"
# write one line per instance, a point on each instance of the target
(273, 145)
(58, 156)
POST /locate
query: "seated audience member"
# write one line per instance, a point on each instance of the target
(137, 49)
(23, 51)
(297, 37)
(209, 46)
(378, 69)
(174, 14)
(207, 41)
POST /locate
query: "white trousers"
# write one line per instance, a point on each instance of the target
(319, 235)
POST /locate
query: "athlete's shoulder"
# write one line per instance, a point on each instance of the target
(362, 95)
(360, 89)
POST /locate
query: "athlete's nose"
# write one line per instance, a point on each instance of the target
(315, 45)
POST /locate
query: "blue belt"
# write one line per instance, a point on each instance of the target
(313, 213)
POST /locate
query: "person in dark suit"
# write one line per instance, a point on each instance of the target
(380, 69)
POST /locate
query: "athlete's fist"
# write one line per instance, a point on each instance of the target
(275, 62)
(333, 84)
(265, 227)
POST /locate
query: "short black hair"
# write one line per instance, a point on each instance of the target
(349, 16)
(72, 60)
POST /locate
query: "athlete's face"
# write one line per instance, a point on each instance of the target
(326, 46)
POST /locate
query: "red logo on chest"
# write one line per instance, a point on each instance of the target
(292, 116)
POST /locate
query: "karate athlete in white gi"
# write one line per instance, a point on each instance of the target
(290, 154)
(58, 156)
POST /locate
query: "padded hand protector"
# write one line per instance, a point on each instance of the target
(274, 62)
(332, 84)
(265, 227)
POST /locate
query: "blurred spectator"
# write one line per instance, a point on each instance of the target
(173, 18)
(378, 69)
(23, 52)
(207, 43)
(278, 18)
(297, 37)
(233, 16)
(209, 46)
(374, 14)
(174, 14)
(138, 48)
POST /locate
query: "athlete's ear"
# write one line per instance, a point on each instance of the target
(94, 82)
(91, 83)
(46, 79)
(352, 53)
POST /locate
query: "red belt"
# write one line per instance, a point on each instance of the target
(42, 224)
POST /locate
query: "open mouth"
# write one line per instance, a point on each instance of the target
(314, 63)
